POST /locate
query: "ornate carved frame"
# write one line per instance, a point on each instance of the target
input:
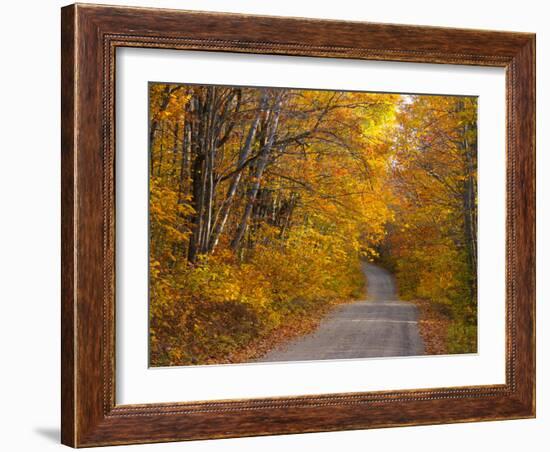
(90, 36)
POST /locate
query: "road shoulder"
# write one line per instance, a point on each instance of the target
(433, 324)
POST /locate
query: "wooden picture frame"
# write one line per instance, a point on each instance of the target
(90, 36)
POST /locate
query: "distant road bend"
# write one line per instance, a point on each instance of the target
(381, 325)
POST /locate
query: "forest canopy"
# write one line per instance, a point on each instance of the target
(265, 201)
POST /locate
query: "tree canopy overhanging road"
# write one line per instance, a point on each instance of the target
(263, 202)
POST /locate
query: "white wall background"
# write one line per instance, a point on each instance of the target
(29, 226)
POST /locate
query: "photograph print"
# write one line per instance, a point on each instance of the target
(294, 224)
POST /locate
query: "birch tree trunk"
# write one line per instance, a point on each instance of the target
(223, 212)
(259, 170)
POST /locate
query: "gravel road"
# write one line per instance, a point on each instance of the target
(381, 325)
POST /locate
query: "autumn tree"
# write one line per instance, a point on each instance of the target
(432, 242)
(264, 201)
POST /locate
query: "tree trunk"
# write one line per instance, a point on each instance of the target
(258, 173)
(470, 206)
(175, 150)
(168, 90)
(197, 172)
(223, 212)
(184, 164)
(194, 241)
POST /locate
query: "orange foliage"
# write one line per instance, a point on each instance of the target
(264, 201)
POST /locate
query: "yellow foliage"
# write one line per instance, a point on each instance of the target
(350, 176)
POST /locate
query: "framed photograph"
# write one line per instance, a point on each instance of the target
(281, 225)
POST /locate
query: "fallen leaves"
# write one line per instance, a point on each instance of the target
(434, 325)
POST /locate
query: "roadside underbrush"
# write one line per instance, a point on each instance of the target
(443, 289)
(434, 324)
(224, 311)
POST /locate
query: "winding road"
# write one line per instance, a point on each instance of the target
(381, 325)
